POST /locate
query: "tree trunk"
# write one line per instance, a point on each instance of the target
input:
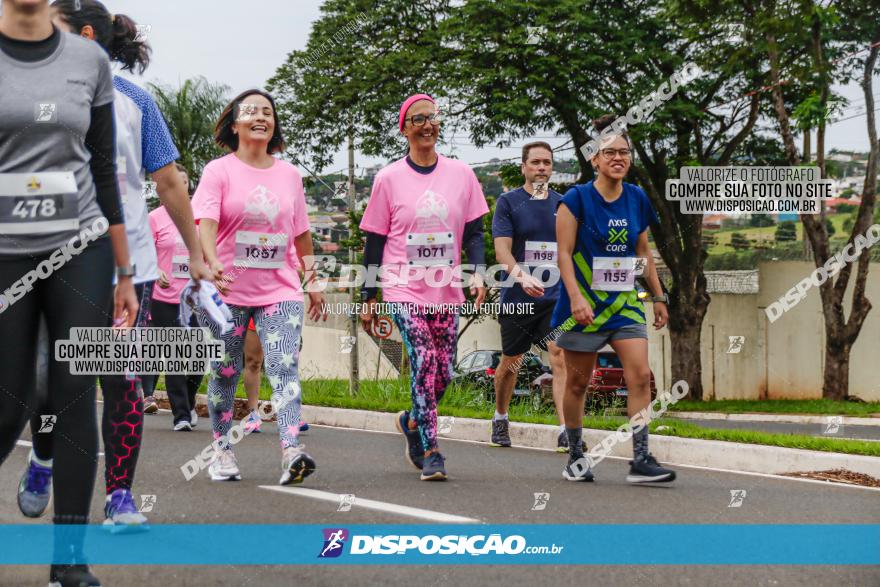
(836, 379)
(685, 321)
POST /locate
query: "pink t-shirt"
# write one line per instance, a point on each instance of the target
(423, 217)
(172, 254)
(260, 212)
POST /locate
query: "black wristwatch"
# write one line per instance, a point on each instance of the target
(662, 298)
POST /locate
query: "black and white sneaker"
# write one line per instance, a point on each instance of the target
(562, 443)
(434, 468)
(415, 454)
(648, 470)
(577, 469)
(500, 433)
(72, 576)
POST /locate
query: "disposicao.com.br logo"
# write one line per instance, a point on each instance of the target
(402, 544)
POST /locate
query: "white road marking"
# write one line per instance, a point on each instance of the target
(370, 504)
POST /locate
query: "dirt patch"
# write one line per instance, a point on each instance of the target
(838, 476)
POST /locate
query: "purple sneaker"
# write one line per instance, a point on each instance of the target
(120, 511)
(35, 489)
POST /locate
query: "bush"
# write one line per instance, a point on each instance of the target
(739, 242)
(786, 231)
(760, 220)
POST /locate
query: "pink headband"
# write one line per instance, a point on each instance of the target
(409, 102)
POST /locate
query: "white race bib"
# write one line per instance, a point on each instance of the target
(540, 253)
(260, 250)
(430, 248)
(38, 203)
(613, 274)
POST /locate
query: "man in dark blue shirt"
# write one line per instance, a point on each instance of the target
(524, 229)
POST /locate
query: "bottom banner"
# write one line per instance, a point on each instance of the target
(619, 544)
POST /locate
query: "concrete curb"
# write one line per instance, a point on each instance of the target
(716, 454)
(788, 418)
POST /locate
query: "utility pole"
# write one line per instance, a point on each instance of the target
(353, 298)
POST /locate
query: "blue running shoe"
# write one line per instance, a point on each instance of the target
(434, 469)
(415, 455)
(121, 513)
(303, 426)
(35, 489)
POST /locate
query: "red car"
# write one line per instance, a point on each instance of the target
(606, 384)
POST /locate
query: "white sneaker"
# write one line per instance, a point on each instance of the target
(297, 465)
(193, 417)
(183, 425)
(224, 467)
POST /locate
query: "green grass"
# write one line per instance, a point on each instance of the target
(782, 406)
(393, 395)
(767, 234)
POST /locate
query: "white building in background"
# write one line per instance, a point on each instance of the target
(564, 178)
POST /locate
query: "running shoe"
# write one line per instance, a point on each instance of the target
(183, 426)
(297, 464)
(224, 467)
(434, 468)
(562, 443)
(303, 426)
(577, 469)
(120, 511)
(414, 454)
(648, 470)
(35, 489)
(500, 433)
(150, 405)
(72, 576)
(193, 417)
(252, 423)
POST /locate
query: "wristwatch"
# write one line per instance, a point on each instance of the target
(127, 271)
(662, 298)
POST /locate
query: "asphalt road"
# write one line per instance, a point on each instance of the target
(489, 484)
(844, 431)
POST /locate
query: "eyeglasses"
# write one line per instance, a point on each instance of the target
(609, 154)
(421, 119)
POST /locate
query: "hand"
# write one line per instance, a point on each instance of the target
(478, 290)
(581, 311)
(368, 316)
(317, 306)
(661, 315)
(163, 280)
(531, 285)
(221, 281)
(125, 304)
(199, 270)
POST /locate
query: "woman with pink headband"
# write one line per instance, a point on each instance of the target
(423, 211)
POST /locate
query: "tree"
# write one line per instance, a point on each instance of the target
(786, 231)
(759, 220)
(191, 111)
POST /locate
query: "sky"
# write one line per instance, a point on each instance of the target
(187, 37)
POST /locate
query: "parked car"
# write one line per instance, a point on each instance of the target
(477, 369)
(606, 384)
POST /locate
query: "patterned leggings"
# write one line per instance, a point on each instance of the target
(430, 341)
(279, 327)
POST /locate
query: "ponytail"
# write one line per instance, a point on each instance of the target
(117, 35)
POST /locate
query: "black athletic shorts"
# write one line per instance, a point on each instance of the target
(520, 331)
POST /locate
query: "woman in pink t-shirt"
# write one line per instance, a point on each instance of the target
(254, 230)
(424, 210)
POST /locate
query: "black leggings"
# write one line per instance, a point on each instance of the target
(181, 388)
(77, 294)
(122, 418)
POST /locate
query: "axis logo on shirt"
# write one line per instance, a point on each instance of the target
(334, 542)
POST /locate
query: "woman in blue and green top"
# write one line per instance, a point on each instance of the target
(602, 232)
